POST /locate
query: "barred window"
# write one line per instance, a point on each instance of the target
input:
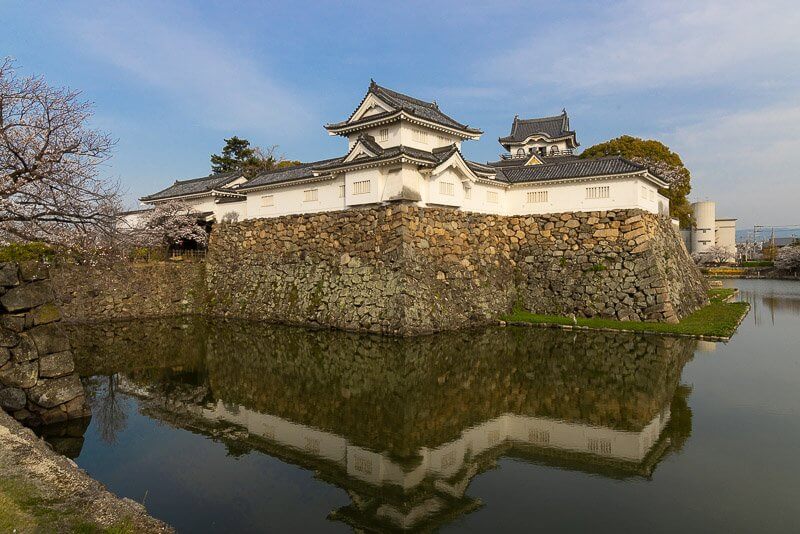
(383, 135)
(492, 197)
(535, 197)
(310, 195)
(420, 135)
(447, 188)
(599, 446)
(267, 201)
(341, 191)
(362, 187)
(601, 191)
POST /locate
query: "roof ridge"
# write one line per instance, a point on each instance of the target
(207, 177)
(398, 94)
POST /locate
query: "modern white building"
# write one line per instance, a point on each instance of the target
(400, 148)
(709, 232)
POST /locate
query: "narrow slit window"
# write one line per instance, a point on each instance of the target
(601, 191)
(362, 187)
(537, 197)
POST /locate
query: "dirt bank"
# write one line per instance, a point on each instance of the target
(42, 491)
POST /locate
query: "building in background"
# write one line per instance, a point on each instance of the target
(710, 234)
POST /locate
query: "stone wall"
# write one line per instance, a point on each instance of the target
(410, 270)
(129, 290)
(38, 382)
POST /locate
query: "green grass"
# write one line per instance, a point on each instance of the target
(24, 509)
(717, 319)
(762, 263)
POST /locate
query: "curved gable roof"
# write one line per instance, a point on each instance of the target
(552, 127)
(401, 102)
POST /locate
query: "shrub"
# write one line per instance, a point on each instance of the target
(27, 251)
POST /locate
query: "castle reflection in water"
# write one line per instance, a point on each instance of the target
(403, 425)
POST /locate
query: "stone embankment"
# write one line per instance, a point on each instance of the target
(410, 270)
(406, 270)
(129, 290)
(38, 382)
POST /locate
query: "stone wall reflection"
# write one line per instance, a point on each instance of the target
(420, 415)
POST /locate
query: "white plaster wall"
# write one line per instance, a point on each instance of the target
(239, 208)
(376, 177)
(435, 139)
(624, 193)
(291, 199)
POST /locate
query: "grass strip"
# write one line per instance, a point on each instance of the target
(719, 319)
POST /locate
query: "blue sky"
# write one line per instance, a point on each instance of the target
(717, 81)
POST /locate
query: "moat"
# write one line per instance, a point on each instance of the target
(252, 427)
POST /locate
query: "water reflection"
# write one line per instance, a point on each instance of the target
(402, 425)
(779, 299)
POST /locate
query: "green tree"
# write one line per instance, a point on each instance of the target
(661, 161)
(238, 155)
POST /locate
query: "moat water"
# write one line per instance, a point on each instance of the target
(240, 427)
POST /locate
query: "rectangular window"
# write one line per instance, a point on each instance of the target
(492, 197)
(341, 191)
(447, 188)
(468, 193)
(267, 201)
(310, 195)
(420, 135)
(599, 446)
(383, 135)
(535, 197)
(361, 188)
(601, 191)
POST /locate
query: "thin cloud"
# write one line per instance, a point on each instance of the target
(640, 45)
(193, 65)
(745, 161)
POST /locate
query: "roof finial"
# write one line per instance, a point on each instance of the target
(563, 111)
(372, 82)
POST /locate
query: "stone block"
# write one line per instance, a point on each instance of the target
(49, 338)
(25, 350)
(27, 296)
(8, 274)
(55, 391)
(55, 365)
(8, 337)
(12, 399)
(46, 313)
(21, 375)
(32, 270)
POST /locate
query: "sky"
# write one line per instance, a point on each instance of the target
(718, 82)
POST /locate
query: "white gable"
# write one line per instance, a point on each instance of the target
(372, 105)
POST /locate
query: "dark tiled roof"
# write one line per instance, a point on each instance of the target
(552, 127)
(419, 108)
(191, 187)
(287, 174)
(577, 168)
(384, 154)
(510, 162)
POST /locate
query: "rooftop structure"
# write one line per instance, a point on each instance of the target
(402, 148)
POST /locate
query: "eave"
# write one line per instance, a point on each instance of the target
(400, 115)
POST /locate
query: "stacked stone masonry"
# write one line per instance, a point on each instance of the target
(408, 270)
(129, 290)
(38, 382)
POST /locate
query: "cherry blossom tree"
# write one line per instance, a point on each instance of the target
(171, 223)
(49, 162)
(788, 258)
